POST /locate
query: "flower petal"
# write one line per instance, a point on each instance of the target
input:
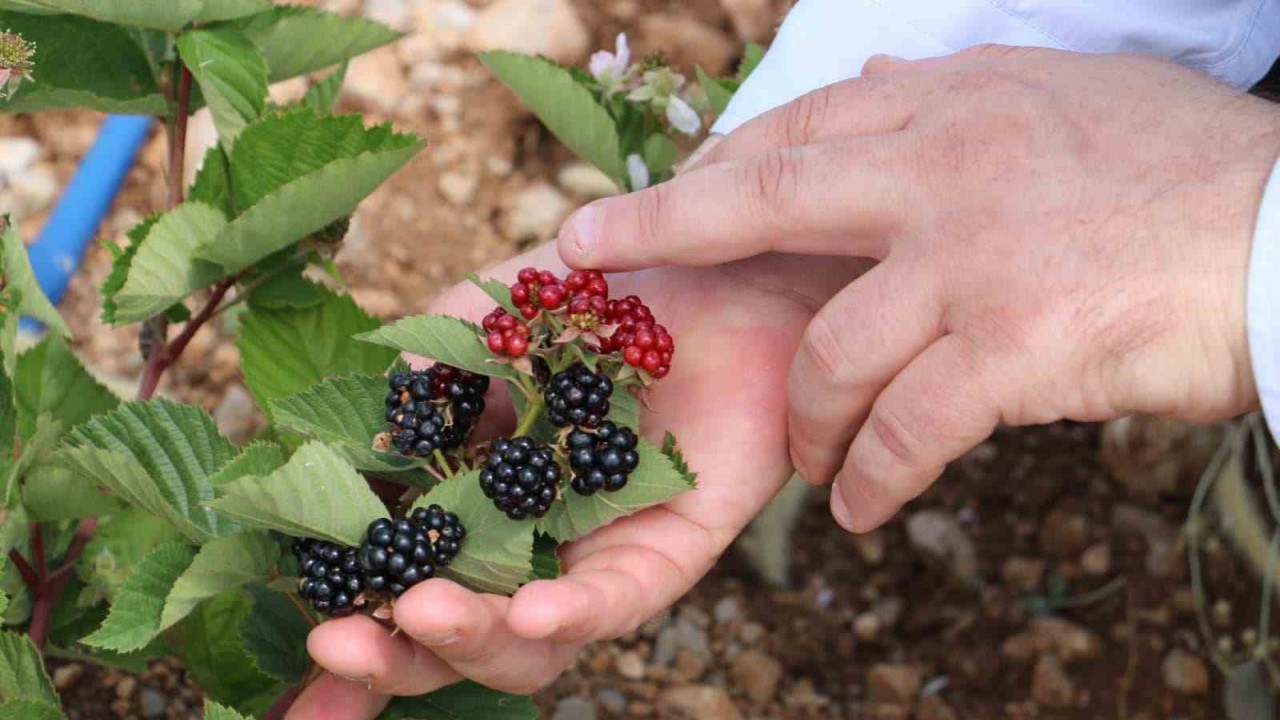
(683, 117)
(638, 172)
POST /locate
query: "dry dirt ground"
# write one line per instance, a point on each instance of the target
(1032, 583)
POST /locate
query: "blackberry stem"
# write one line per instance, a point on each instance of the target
(536, 405)
(443, 463)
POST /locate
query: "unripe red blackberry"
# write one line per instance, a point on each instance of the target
(506, 334)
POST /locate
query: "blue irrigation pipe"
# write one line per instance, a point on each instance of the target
(58, 251)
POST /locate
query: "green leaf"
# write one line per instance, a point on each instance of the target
(160, 456)
(156, 14)
(546, 563)
(223, 564)
(30, 710)
(214, 711)
(118, 546)
(660, 154)
(299, 40)
(568, 110)
(445, 339)
(51, 380)
(135, 615)
(18, 274)
(285, 291)
(495, 289)
(11, 302)
(232, 74)
(656, 481)
(257, 460)
(462, 701)
(346, 413)
(4, 597)
(751, 58)
(213, 650)
(624, 408)
(22, 675)
(672, 450)
(37, 449)
(212, 185)
(122, 260)
(165, 269)
(295, 173)
(322, 96)
(497, 554)
(82, 63)
(316, 494)
(53, 492)
(717, 94)
(284, 352)
(275, 635)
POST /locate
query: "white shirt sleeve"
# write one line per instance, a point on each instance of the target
(1264, 303)
(825, 41)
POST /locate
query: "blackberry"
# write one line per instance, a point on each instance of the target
(417, 402)
(603, 460)
(398, 554)
(465, 390)
(331, 577)
(579, 397)
(521, 477)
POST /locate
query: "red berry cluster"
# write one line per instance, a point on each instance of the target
(642, 342)
(507, 334)
(537, 290)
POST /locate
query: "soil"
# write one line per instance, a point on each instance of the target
(946, 603)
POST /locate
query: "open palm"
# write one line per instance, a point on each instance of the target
(736, 329)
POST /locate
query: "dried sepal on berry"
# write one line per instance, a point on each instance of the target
(16, 62)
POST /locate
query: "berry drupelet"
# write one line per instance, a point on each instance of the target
(506, 334)
(521, 477)
(398, 554)
(603, 460)
(331, 579)
(578, 396)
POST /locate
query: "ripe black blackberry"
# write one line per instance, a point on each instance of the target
(416, 408)
(331, 577)
(521, 477)
(603, 460)
(578, 396)
(464, 390)
(398, 554)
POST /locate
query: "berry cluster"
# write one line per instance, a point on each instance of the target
(522, 477)
(398, 554)
(434, 409)
(642, 342)
(578, 397)
(506, 334)
(330, 576)
(603, 460)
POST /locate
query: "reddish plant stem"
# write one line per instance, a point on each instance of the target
(164, 355)
(28, 573)
(178, 143)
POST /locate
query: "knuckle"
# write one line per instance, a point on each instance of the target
(823, 344)
(772, 187)
(803, 118)
(650, 208)
(891, 431)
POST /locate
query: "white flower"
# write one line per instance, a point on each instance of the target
(611, 68)
(682, 116)
(638, 172)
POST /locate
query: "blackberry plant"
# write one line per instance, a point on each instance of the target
(142, 529)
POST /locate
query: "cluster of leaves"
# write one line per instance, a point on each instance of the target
(173, 538)
(620, 116)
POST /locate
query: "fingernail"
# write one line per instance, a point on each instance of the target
(359, 680)
(440, 640)
(839, 509)
(584, 229)
(707, 146)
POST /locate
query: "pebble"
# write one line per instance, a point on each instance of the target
(751, 19)
(612, 701)
(67, 676)
(867, 627)
(933, 707)
(756, 675)
(152, 704)
(394, 13)
(126, 687)
(1023, 574)
(751, 633)
(377, 81)
(586, 181)
(535, 213)
(535, 27)
(871, 547)
(1096, 560)
(236, 414)
(1163, 558)
(32, 191)
(1185, 673)
(697, 702)
(937, 533)
(573, 708)
(1064, 534)
(458, 188)
(894, 683)
(687, 42)
(17, 154)
(727, 611)
(1049, 635)
(630, 665)
(1051, 686)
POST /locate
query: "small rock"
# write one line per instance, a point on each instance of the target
(727, 611)
(1220, 613)
(691, 663)
(1051, 686)
(535, 213)
(572, 708)
(1153, 457)
(894, 684)
(1064, 534)
(1050, 635)
(1163, 558)
(697, 702)
(378, 302)
(33, 191)
(612, 701)
(1096, 560)
(933, 707)
(752, 19)
(394, 13)
(534, 27)
(17, 154)
(680, 634)
(458, 188)
(630, 666)
(867, 627)
(236, 414)
(870, 547)
(67, 676)
(586, 181)
(687, 42)
(152, 704)
(1022, 574)
(377, 81)
(757, 675)
(126, 687)
(938, 533)
(1185, 673)
(751, 633)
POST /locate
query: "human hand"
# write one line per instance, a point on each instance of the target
(736, 327)
(1060, 236)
